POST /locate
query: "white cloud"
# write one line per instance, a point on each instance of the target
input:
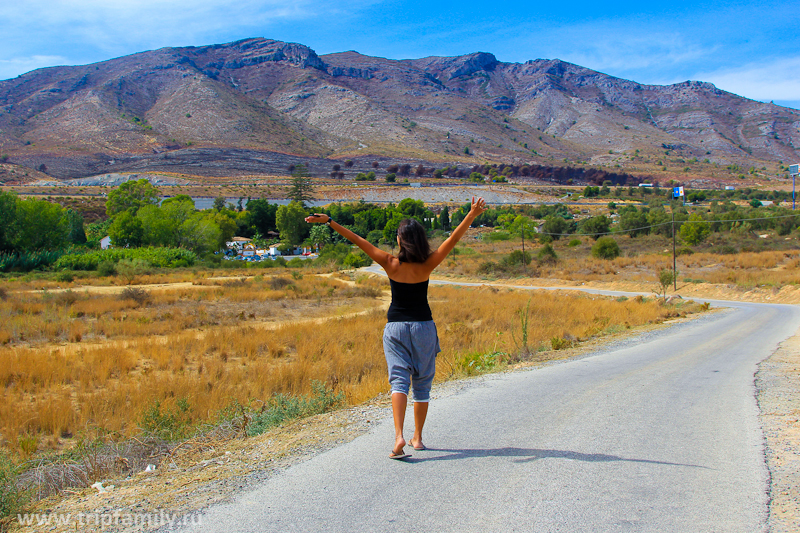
(93, 30)
(16, 65)
(622, 50)
(777, 79)
(107, 24)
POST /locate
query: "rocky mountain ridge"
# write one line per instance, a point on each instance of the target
(260, 100)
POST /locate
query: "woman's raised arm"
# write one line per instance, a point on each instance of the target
(376, 254)
(478, 206)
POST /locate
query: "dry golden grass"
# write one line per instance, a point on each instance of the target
(84, 361)
(641, 260)
(33, 318)
(54, 391)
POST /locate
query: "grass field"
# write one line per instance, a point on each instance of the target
(81, 364)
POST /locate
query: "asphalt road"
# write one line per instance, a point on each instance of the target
(657, 433)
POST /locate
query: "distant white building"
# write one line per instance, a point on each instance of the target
(105, 243)
(237, 243)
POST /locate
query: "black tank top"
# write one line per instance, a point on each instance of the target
(409, 302)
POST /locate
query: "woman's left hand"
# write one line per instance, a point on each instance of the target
(317, 218)
(478, 206)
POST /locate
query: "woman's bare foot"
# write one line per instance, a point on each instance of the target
(417, 444)
(399, 443)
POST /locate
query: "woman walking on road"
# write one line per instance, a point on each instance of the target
(410, 341)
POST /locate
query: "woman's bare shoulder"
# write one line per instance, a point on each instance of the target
(392, 265)
(409, 272)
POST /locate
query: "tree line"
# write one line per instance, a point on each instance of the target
(138, 218)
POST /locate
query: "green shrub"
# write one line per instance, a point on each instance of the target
(357, 260)
(574, 242)
(154, 257)
(282, 408)
(65, 276)
(560, 343)
(28, 444)
(131, 268)
(13, 499)
(547, 254)
(180, 263)
(488, 267)
(211, 260)
(107, 268)
(334, 252)
(666, 277)
(605, 248)
(27, 261)
(517, 257)
(496, 236)
(476, 363)
(165, 423)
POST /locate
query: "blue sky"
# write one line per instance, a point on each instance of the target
(749, 48)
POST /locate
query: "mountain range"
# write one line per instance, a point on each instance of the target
(254, 105)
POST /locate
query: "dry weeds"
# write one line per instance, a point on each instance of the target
(55, 391)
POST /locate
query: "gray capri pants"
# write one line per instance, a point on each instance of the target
(410, 349)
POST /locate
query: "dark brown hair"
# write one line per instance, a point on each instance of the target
(414, 246)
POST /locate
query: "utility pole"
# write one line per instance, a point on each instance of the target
(674, 262)
(793, 170)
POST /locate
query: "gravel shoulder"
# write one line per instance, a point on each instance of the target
(778, 393)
